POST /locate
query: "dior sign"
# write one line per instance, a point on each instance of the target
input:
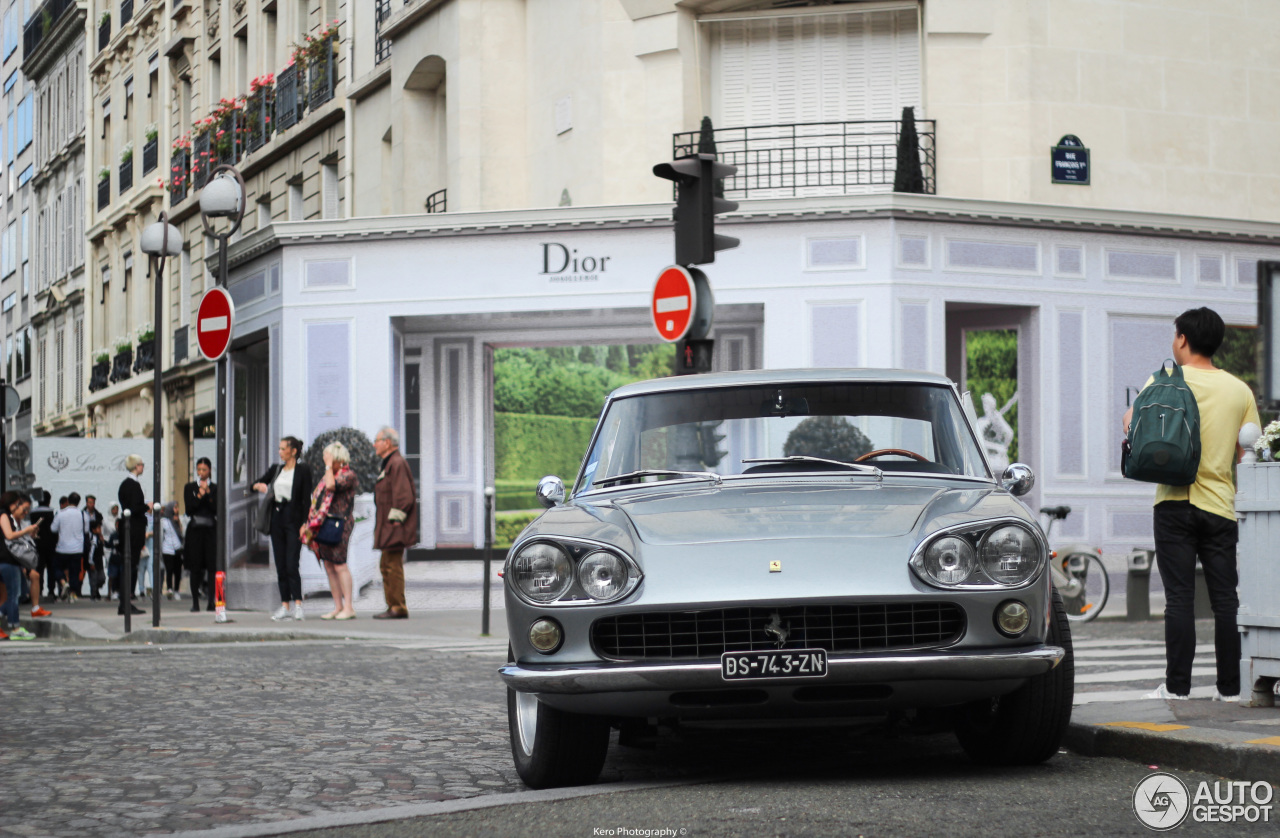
(563, 264)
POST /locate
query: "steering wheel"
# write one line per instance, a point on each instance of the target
(901, 452)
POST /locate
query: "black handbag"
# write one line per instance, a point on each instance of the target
(264, 511)
(330, 533)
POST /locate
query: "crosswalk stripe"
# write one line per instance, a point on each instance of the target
(1153, 674)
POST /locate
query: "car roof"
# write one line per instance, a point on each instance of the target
(746, 378)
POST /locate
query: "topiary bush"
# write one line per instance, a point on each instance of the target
(829, 437)
(365, 462)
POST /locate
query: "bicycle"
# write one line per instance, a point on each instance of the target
(1078, 573)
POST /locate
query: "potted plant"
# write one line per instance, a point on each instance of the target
(104, 173)
(121, 365)
(126, 153)
(1268, 445)
(99, 374)
(145, 357)
(104, 19)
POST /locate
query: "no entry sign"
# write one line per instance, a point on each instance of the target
(216, 317)
(673, 302)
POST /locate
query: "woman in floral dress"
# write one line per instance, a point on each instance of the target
(334, 497)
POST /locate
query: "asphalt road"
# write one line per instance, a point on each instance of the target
(111, 741)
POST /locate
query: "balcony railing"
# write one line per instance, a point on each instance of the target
(145, 359)
(201, 152)
(104, 34)
(41, 23)
(436, 201)
(179, 174)
(288, 105)
(122, 365)
(322, 74)
(99, 376)
(104, 193)
(258, 109)
(814, 158)
(227, 140)
(382, 46)
(126, 12)
(150, 156)
(126, 175)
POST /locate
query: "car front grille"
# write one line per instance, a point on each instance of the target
(667, 635)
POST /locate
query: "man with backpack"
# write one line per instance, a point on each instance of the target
(1194, 515)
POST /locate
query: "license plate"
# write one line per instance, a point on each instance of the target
(794, 663)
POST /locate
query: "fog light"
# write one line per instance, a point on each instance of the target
(1012, 618)
(545, 635)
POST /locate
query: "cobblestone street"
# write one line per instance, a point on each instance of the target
(121, 742)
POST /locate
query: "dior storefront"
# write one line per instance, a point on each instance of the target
(363, 322)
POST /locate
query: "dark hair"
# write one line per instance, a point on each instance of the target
(62, 501)
(1203, 329)
(294, 443)
(74, 498)
(90, 497)
(8, 499)
(45, 497)
(204, 461)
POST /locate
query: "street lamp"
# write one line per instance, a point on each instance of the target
(223, 196)
(159, 241)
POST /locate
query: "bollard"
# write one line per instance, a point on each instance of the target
(1202, 607)
(488, 557)
(219, 597)
(1138, 588)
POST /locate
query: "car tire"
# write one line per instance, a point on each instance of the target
(554, 748)
(1026, 726)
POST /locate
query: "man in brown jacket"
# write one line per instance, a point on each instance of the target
(397, 520)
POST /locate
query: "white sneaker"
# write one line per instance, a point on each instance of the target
(1217, 696)
(297, 613)
(1163, 692)
(280, 614)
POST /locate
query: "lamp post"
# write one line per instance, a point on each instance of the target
(223, 196)
(159, 241)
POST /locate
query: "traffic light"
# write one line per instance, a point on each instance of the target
(693, 356)
(697, 177)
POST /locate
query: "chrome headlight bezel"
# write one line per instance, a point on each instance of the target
(576, 549)
(976, 534)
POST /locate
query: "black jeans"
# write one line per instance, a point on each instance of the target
(1183, 534)
(201, 549)
(286, 549)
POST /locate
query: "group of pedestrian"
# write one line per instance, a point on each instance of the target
(299, 511)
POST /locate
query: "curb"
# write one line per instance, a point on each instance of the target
(1193, 749)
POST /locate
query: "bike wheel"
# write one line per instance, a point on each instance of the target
(1086, 570)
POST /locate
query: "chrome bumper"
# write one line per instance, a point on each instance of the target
(583, 679)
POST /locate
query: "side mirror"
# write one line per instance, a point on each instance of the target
(550, 491)
(1018, 479)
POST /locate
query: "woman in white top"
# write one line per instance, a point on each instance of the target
(290, 484)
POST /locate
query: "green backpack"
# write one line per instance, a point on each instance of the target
(1164, 434)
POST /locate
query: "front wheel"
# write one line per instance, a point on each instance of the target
(1026, 726)
(1088, 587)
(553, 748)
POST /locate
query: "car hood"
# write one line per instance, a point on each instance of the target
(840, 537)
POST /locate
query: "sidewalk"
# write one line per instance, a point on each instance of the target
(1232, 740)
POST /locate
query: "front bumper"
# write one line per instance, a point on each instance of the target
(966, 666)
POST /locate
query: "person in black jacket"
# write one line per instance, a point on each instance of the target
(200, 498)
(132, 500)
(290, 484)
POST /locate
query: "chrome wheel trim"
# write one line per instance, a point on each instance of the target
(526, 720)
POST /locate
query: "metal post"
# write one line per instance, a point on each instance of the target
(157, 563)
(126, 591)
(221, 419)
(488, 557)
(157, 428)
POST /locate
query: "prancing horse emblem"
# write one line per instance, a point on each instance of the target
(775, 629)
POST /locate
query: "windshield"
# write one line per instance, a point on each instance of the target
(915, 428)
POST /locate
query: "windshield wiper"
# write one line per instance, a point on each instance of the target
(798, 458)
(656, 472)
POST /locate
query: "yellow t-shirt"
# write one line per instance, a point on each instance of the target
(1226, 405)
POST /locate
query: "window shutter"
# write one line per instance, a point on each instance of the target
(329, 185)
(40, 366)
(61, 361)
(79, 348)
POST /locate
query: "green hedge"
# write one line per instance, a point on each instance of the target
(516, 494)
(509, 525)
(529, 447)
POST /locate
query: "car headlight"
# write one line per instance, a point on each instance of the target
(542, 571)
(949, 561)
(602, 575)
(983, 555)
(1010, 555)
(565, 571)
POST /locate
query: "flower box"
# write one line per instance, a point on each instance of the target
(122, 365)
(146, 356)
(99, 376)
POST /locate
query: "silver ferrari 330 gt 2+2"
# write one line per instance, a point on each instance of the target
(776, 545)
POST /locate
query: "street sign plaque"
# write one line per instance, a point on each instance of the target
(214, 323)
